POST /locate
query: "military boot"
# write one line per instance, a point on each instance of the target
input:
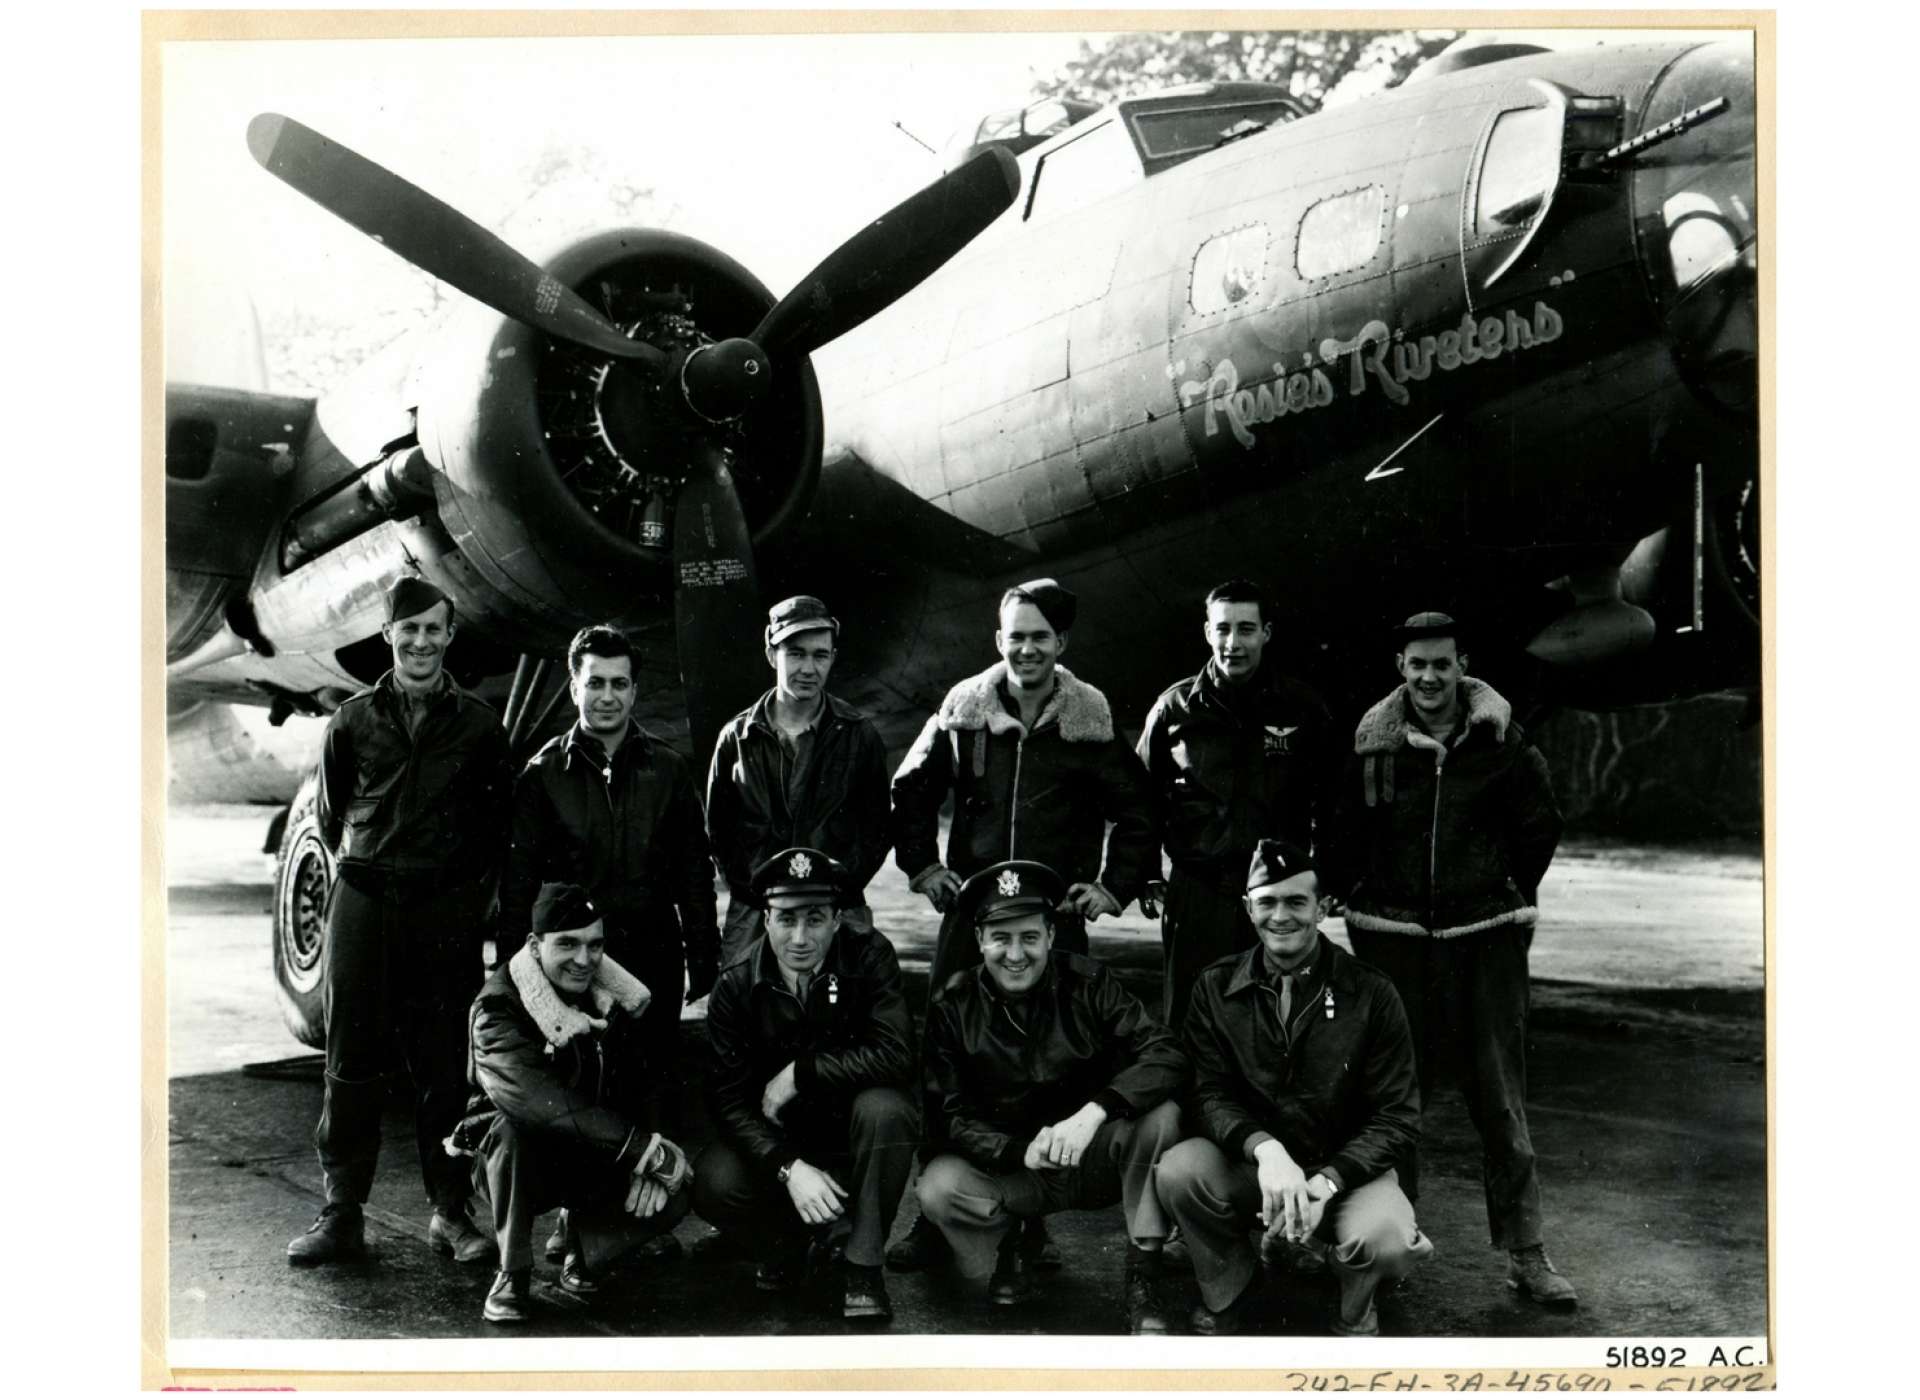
(1012, 1281)
(863, 1294)
(1043, 1255)
(510, 1300)
(339, 1233)
(556, 1249)
(1532, 1275)
(452, 1234)
(1145, 1315)
(923, 1247)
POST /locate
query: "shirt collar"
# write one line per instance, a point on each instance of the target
(442, 688)
(577, 738)
(760, 714)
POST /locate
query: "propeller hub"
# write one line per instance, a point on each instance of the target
(725, 379)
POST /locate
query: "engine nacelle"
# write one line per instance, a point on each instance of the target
(559, 513)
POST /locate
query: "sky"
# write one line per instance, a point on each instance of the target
(773, 148)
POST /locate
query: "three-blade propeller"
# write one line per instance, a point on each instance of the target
(715, 592)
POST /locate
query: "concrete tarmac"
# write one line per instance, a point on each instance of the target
(1647, 1103)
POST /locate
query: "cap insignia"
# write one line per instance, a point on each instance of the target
(800, 866)
(1009, 883)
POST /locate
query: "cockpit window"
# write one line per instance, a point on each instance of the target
(1199, 129)
(998, 127)
(1341, 232)
(1521, 168)
(1228, 269)
(1089, 167)
(1046, 118)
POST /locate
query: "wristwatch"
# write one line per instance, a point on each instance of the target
(785, 1172)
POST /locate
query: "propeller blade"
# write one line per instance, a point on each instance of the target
(433, 236)
(890, 256)
(716, 601)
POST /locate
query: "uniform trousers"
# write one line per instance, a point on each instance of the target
(1370, 1229)
(1466, 1001)
(399, 977)
(1200, 923)
(870, 1153)
(521, 1174)
(975, 1208)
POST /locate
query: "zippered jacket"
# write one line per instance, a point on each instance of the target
(852, 1033)
(1442, 839)
(629, 831)
(1339, 1092)
(1044, 796)
(556, 1068)
(843, 808)
(401, 804)
(1000, 1070)
(1230, 765)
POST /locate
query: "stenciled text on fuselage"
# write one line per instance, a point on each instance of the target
(1375, 357)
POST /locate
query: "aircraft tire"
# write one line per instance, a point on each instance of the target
(1733, 549)
(302, 879)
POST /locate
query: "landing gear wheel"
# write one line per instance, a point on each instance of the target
(303, 878)
(1733, 548)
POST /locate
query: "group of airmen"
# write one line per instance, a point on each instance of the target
(1264, 1116)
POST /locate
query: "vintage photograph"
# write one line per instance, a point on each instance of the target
(829, 693)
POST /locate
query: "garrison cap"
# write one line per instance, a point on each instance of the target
(411, 594)
(560, 907)
(1058, 605)
(801, 613)
(1011, 888)
(1426, 624)
(798, 870)
(1274, 861)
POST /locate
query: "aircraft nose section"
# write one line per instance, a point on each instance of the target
(1693, 200)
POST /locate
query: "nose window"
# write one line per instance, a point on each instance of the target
(1521, 168)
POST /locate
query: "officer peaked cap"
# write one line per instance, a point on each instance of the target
(798, 870)
(1008, 889)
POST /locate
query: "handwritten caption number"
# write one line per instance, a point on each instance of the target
(1462, 1382)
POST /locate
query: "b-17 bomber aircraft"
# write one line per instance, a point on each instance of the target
(1486, 341)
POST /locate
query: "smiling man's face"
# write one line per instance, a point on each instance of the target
(570, 957)
(420, 644)
(1015, 951)
(1432, 668)
(603, 693)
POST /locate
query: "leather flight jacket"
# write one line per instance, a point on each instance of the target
(852, 1032)
(999, 1070)
(1230, 765)
(1047, 795)
(843, 807)
(1339, 1090)
(1442, 839)
(627, 829)
(424, 807)
(572, 1082)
